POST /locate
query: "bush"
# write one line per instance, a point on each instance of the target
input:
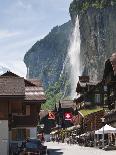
(83, 5)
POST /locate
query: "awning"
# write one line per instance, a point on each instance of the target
(106, 129)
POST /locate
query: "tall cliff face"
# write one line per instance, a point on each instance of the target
(97, 20)
(46, 57)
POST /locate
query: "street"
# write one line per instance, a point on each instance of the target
(64, 149)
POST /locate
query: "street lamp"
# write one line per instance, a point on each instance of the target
(103, 120)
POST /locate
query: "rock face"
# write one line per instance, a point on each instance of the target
(46, 57)
(97, 19)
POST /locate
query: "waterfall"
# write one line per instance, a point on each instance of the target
(74, 58)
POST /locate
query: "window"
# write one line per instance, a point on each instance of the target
(27, 110)
(20, 134)
(97, 98)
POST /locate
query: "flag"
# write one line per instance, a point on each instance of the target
(51, 115)
(68, 116)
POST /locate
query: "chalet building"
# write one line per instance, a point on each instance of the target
(89, 104)
(20, 103)
(84, 85)
(88, 119)
(90, 93)
(109, 79)
(63, 107)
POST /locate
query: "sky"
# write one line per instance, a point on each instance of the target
(22, 23)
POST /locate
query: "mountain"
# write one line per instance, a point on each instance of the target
(46, 57)
(97, 19)
(3, 70)
(46, 61)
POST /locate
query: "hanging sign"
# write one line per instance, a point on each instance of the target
(51, 115)
(68, 116)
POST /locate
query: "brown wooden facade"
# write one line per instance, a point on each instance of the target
(90, 97)
(20, 103)
(109, 79)
(93, 121)
(91, 94)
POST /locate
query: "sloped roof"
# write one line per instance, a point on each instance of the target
(86, 112)
(66, 104)
(36, 82)
(91, 83)
(33, 93)
(11, 74)
(12, 86)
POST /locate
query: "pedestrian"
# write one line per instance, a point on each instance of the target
(70, 140)
(67, 140)
(53, 139)
(58, 140)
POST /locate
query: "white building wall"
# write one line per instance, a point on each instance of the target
(33, 132)
(4, 137)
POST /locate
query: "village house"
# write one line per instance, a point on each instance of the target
(89, 104)
(109, 79)
(20, 103)
(65, 107)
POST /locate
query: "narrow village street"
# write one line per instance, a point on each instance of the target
(64, 149)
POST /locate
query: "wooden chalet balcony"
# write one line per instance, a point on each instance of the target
(24, 121)
(111, 117)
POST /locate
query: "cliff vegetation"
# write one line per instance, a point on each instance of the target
(84, 5)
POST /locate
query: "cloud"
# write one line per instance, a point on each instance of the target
(18, 67)
(20, 43)
(7, 34)
(12, 55)
(15, 51)
(23, 5)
